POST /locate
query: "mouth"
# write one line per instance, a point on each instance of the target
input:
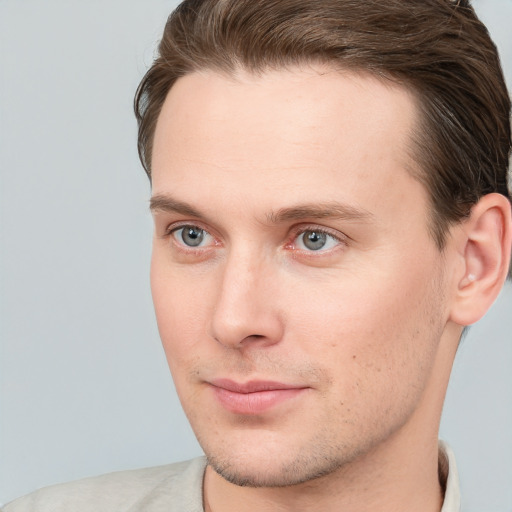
(253, 397)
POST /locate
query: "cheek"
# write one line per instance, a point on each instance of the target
(181, 308)
(381, 330)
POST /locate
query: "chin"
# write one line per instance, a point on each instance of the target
(266, 468)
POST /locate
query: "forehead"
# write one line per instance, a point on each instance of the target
(301, 130)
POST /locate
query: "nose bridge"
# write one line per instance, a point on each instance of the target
(244, 310)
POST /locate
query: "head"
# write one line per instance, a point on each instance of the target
(331, 208)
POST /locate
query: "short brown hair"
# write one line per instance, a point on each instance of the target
(438, 49)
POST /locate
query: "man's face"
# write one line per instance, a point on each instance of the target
(298, 293)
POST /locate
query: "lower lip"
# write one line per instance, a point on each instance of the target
(256, 402)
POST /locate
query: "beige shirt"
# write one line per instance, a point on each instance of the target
(171, 488)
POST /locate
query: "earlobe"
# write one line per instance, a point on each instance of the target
(485, 249)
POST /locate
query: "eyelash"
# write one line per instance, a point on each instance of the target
(173, 229)
(301, 230)
(289, 245)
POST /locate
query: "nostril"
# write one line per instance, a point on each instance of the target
(252, 339)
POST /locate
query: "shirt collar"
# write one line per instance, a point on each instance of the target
(449, 476)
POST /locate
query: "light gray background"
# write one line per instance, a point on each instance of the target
(84, 384)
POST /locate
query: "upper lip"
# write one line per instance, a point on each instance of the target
(252, 386)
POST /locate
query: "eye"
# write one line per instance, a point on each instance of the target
(192, 236)
(315, 240)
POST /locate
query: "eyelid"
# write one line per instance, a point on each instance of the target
(298, 230)
(174, 226)
(171, 229)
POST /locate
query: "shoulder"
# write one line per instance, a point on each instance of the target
(171, 487)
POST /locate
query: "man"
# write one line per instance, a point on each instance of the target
(329, 190)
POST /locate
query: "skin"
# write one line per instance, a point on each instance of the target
(363, 326)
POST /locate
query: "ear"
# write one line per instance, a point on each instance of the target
(484, 244)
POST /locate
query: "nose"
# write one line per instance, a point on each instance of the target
(246, 312)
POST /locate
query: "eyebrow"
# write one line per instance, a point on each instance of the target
(330, 209)
(164, 203)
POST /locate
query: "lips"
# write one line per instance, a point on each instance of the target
(254, 397)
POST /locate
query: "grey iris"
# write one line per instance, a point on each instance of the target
(192, 236)
(314, 240)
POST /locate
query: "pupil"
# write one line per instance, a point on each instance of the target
(192, 236)
(313, 240)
